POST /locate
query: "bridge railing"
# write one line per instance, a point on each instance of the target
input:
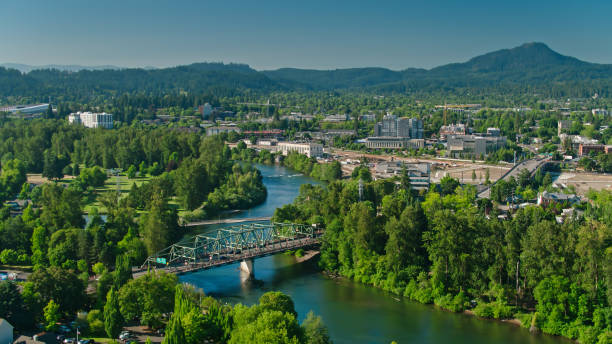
(229, 240)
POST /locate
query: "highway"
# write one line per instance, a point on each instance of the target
(531, 165)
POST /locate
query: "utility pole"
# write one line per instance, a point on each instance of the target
(360, 190)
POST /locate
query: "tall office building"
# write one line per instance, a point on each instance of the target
(404, 127)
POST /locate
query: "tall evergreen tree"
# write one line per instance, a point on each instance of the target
(113, 320)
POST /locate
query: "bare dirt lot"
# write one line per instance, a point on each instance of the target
(583, 182)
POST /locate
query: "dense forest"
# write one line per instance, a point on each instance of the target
(448, 249)
(528, 69)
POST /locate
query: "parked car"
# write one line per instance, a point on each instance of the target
(125, 335)
(64, 329)
(60, 337)
(69, 341)
(86, 341)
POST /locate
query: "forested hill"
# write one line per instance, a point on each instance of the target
(197, 78)
(532, 66)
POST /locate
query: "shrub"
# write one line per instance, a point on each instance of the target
(485, 310)
(95, 321)
(9, 256)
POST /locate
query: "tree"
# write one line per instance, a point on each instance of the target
(315, 330)
(159, 225)
(52, 315)
(448, 185)
(123, 271)
(53, 165)
(191, 183)
(276, 300)
(13, 307)
(131, 172)
(113, 321)
(62, 286)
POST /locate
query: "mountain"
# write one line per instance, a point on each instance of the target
(529, 67)
(530, 63)
(24, 68)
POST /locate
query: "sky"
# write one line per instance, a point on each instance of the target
(304, 34)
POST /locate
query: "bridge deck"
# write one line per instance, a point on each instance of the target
(269, 249)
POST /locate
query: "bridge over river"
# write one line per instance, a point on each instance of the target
(242, 243)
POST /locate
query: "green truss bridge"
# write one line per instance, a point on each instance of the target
(241, 243)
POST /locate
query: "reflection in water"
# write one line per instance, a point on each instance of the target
(353, 312)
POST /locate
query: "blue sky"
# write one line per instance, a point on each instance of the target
(306, 34)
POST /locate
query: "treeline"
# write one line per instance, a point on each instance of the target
(310, 167)
(448, 249)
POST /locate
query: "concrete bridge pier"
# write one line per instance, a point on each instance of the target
(247, 269)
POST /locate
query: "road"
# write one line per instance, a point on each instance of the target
(531, 165)
(225, 221)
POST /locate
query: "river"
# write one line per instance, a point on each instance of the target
(354, 313)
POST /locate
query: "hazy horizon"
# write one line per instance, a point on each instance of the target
(313, 35)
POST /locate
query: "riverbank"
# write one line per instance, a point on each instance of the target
(354, 312)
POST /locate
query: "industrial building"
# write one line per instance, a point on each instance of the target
(473, 145)
(453, 129)
(92, 120)
(418, 173)
(307, 148)
(222, 129)
(385, 142)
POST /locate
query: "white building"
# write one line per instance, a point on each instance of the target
(308, 149)
(92, 120)
(6, 332)
(600, 112)
(222, 129)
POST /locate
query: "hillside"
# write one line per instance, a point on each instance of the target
(529, 66)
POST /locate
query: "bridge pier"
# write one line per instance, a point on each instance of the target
(247, 269)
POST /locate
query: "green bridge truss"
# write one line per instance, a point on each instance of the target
(227, 241)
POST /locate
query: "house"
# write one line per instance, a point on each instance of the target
(545, 198)
(6, 332)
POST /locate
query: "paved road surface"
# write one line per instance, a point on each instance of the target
(531, 165)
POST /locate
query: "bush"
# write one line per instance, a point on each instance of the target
(95, 321)
(9, 256)
(299, 253)
(485, 310)
(524, 318)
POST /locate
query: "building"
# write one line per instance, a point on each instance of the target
(586, 149)
(473, 145)
(600, 112)
(6, 332)
(222, 129)
(26, 109)
(205, 110)
(493, 132)
(418, 173)
(452, 129)
(368, 118)
(545, 198)
(391, 126)
(336, 118)
(386, 142)
(563, 125)
(92, 120)
(309, 149)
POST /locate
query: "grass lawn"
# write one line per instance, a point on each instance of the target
(124, 184)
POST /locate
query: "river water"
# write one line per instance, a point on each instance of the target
(353, 312)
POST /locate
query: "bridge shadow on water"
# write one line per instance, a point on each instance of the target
(271, 272)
